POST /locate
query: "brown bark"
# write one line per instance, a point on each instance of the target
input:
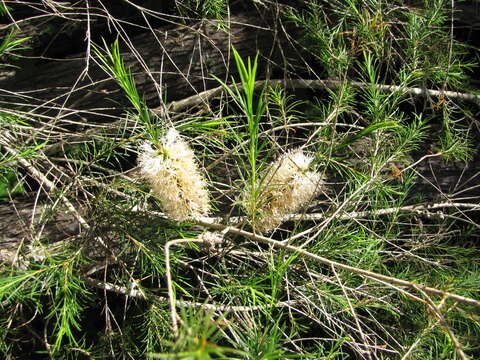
(25, 220)
(178, 62)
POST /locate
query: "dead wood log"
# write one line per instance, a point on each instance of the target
(26, 220)
(170, 63)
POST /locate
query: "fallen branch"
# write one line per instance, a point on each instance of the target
(423, 209)
(204, 96)
(320, 259)
(132, 292)
(419, 209)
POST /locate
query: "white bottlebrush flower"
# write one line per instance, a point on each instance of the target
(287, 187)
(175, 178)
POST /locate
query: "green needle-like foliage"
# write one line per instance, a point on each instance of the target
(111, 61)
(253, 107)
(198, 340)
(381, 259)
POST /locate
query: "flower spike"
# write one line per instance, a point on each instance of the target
(288, 186)
(175, 178)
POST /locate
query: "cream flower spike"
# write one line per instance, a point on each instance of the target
(288, 186)
(175, 178)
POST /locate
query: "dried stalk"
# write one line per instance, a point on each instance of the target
(368, 274)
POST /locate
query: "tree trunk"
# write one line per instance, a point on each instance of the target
(172, 63)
